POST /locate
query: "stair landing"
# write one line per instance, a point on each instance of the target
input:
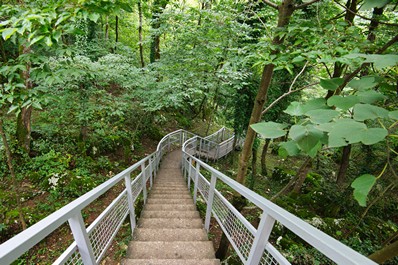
(170, 231)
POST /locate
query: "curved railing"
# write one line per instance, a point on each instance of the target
(252, 244)
(91, 243)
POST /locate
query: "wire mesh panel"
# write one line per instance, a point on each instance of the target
(103, 232)
(75, 258)
(233, 224)
(136, 187)
(203, 187)
(268, 259)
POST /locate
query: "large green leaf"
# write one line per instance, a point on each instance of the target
(270, 130)
(374, 135)
(369, 4)
(364, 112)
(313, 104)
(370, 96)
(393, 114)
(362, 186)
(294, 109)
(344, 132)
(306, 137)
(342, 102)
(288, 148)
(363, 83)
(331, 84)
(322, 115)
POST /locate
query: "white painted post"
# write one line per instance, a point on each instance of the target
(127, 181)
(80, 235)
(261, 239)
(210, 201)
(189, 173)
(143, 181)
(208, 152)
(200, 147)
(195, 187)
(150, 172)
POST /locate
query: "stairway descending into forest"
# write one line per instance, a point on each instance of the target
(170, 230)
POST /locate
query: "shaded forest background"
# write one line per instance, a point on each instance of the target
(90, 87)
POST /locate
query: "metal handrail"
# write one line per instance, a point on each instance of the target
(260, 250)
(84, 248)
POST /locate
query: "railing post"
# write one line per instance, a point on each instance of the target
(127, 181)
(195, 187)
(143, 181)
(200, 147)
(80, 235)
(150, 172)
(208, 152)
(168, 144)
(189, 173)
(261, 239)
(210, 201)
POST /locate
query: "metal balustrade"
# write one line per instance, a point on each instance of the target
(252, 244)
(90, 244)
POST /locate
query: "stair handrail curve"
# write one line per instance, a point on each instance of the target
(252, 245)
(89, 245)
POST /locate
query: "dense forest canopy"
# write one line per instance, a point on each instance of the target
(87, 87)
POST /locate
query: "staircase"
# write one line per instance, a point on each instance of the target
(170, 230)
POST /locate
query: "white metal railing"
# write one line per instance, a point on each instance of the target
(252, 245)
(91, 244)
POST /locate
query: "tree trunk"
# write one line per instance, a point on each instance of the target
(116, 31)
(264, 171)
(24, 129)
(349, 16)
(377, 12)
(14, 186)
(107, 28)
(157, 9)
(286, 10)
(386, 253)
(254, 167)
(302, 174)
(345, 162)
(140, 34)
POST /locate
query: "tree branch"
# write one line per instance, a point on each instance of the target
(306, 4)
(269, 3)
(290, 91)
(363, 17)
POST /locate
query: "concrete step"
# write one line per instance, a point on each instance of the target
(170, 207)
(167, 192)
(170, 223)
(171, 262)
(169, 214)
(171, 250)
(170, 201)
(170, 189)
(169, 234)
(169, 196)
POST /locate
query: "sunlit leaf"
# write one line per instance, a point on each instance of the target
(362, 186)
(269, 130)
(7, 33)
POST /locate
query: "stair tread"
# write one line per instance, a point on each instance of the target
(169, 214)
(171, 262)
(170, 234)
(170, 201)
(171, 250)
(170, 207)
(193, 222)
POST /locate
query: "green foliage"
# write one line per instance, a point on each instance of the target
(362, 186)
